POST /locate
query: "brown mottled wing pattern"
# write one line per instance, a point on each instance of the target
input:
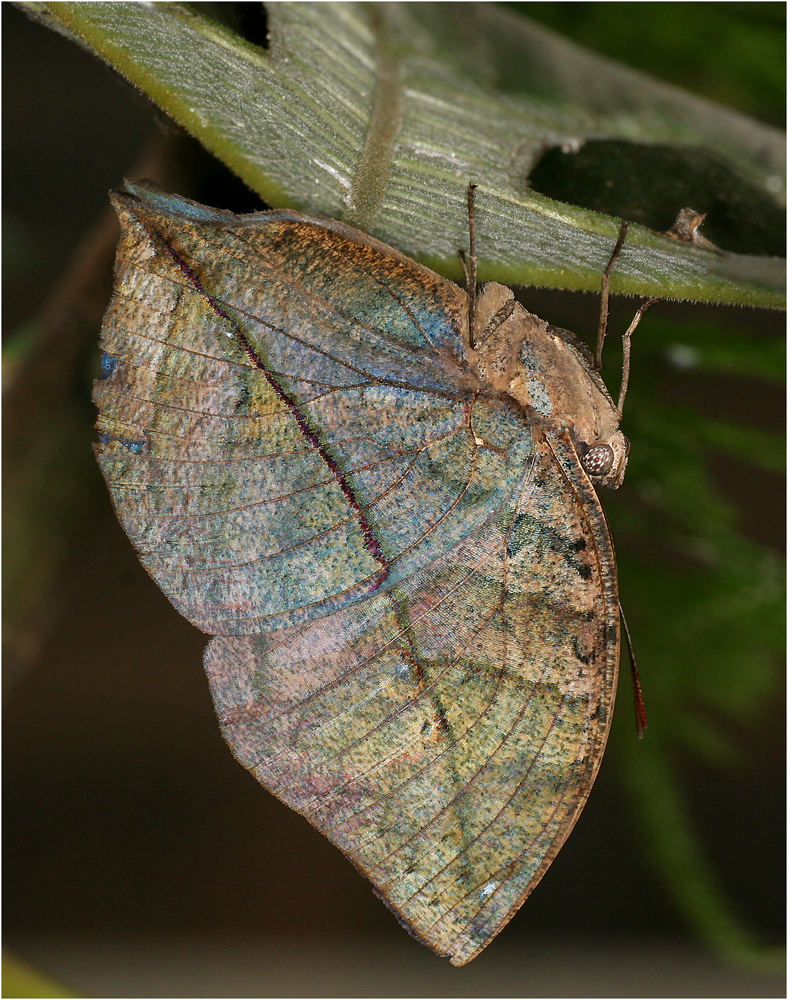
(410, 580)
(284, 426)
(446, 736)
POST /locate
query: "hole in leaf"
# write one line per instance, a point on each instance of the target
(249, 20)
(650, 184)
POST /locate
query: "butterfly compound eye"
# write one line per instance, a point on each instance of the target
(598, 460)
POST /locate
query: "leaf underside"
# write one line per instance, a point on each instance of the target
(381, 114)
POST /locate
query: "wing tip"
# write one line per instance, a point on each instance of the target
(145, 198)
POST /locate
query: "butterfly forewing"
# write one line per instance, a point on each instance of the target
(261, 455)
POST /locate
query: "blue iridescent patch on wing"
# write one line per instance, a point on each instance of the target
(135, 447)
(107, 365)
(173, 204)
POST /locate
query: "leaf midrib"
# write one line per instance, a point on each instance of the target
(373, 171)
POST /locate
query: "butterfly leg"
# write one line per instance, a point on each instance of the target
(603, 306)
(469, 267)
(626, 346)
(476, 337)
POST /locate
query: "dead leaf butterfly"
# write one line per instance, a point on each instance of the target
(377, 492)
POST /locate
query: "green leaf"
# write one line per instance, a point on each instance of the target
(381, 114)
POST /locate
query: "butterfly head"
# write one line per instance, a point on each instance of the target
(605, 461)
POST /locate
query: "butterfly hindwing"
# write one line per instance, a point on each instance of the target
(445, 734)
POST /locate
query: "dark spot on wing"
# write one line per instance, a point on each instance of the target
(583, 657)
(529, 530)
(242, 402)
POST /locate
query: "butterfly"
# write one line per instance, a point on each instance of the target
(376, 491)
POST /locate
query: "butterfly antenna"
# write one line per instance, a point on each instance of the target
(641, 720)
(469, 266)
(603, 305)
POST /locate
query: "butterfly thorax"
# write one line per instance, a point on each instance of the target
(518, 354)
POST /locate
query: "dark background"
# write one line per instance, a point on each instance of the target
(138, 857)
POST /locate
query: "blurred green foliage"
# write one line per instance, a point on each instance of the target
(704, 596)
(733, 53)
(22, 980)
